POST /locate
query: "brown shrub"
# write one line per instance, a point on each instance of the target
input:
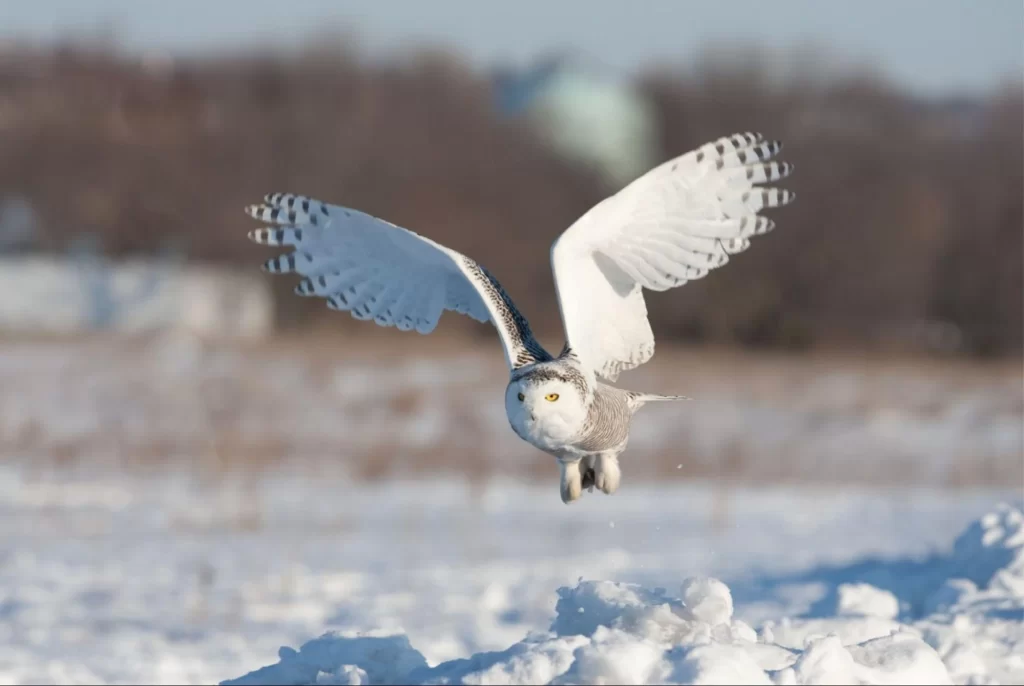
(909, 217)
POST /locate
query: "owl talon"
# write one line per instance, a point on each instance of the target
(589, 480)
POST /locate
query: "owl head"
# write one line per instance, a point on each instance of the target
(547, 404)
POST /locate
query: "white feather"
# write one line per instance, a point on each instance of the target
(674, 224)
(380, 271)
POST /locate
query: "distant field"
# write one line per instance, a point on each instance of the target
(373, 408)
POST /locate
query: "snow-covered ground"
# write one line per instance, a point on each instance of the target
(177, 511)
(163, 578)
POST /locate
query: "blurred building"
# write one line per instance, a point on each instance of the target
(585, 116)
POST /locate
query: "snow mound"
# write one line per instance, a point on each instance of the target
(615, 633)
(975, 618)
(990, 553)
(618, 633)
(342, 658)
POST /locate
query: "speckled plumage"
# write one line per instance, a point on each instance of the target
(526, 348)
(589, 457)
(607, 424)
(676, 223)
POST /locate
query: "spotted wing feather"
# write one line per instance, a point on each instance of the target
(382, 272)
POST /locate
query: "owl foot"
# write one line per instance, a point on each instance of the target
(571, 486)
(607, 474)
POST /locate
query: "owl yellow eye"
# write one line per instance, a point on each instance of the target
(551, 397)
(522, 397)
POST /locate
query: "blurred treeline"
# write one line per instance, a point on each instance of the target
(907, 231)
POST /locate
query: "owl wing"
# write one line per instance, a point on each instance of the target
(674, 224)
(380, 271)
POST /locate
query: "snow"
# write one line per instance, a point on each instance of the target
(866, 600)
(162, 578)
(616, 633)
(206, 512)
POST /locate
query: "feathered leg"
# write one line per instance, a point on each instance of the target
(607, 474)
(572, 482)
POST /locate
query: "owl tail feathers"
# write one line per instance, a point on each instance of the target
(638, 400)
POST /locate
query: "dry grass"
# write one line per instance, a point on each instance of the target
(325, 403)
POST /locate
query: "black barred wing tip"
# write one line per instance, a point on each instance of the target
(276, 237)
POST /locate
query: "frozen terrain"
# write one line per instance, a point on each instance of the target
(388, 408)
(959, 619)
(160, 578)
(179, 511)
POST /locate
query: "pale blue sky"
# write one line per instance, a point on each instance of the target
(932, 46)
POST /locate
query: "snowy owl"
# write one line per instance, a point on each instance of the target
(673, 224)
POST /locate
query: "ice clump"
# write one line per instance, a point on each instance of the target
(625, 635)
(867, 601)
(969, 629)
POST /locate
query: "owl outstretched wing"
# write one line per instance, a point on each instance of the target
(674, 224)
(382, 272)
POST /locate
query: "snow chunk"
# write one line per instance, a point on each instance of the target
(901, 658)
(539, 659)
(345, 675)
(341, 658)
(866, 601)
(991, 551)
(708, 600)
(716, 663)
(825, 661)
(616, 657)
(590, 604)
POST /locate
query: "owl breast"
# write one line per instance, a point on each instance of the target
(553, 434)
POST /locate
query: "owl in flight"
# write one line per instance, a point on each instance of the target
(674, 224)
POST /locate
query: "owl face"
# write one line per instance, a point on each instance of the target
(547, 411)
